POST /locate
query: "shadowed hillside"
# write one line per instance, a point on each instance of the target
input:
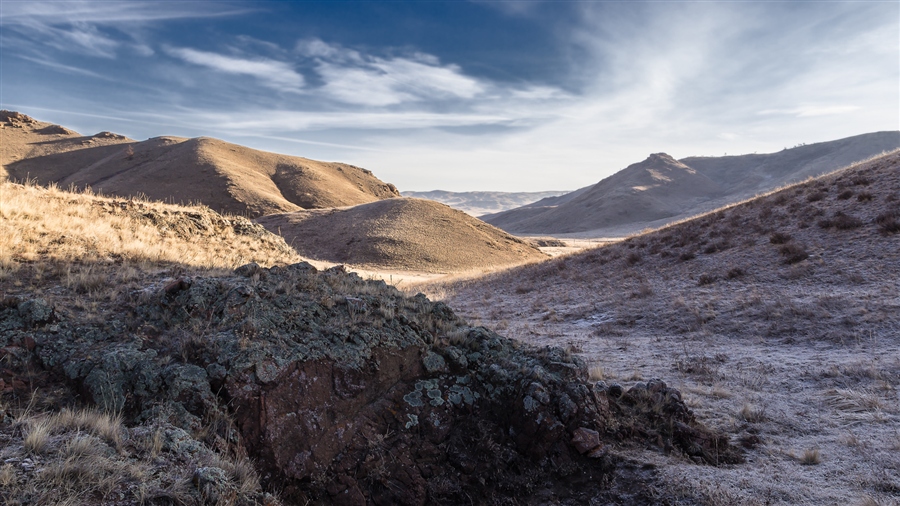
(226, 177)
(636, 197)
(778, 317)
(405, 234)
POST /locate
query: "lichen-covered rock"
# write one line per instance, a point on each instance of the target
(402, 403)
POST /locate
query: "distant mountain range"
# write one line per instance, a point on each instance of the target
(660, 189)
(481, 203)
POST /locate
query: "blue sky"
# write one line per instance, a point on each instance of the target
(461, 95)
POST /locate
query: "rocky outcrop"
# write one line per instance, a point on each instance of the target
(346, 391)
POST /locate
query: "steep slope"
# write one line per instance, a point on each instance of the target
(733, 178)
(404, 234)
(778, 317)
(480, 203)
(224, 176)
(646, 191)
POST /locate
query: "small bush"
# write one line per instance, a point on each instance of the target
(889, 222)
(734, 273)
(779, 238)
(844, 195)
(864, 197)
(687, 255)
(841, 221)
(861, 180)
(846, 222)
(816, 196)
(793, 253)
(706, 279)
(633, 258)
(811, 458)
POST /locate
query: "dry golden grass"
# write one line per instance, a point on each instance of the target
(51, 225)
(81, 458)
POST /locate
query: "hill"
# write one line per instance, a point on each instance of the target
(776, 317)
(224, 176)
(479, 203)
(405, 234)
(642, 195)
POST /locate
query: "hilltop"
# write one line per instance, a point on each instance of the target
(223, 176)
(777, 317)
(661, 190)
(404, 234)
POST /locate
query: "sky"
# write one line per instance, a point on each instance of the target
(461, 95)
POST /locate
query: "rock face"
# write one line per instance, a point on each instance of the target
(346, 391)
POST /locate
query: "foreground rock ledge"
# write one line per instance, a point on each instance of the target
(346, 391)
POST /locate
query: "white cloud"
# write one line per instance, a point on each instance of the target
(272, 73)
(354, 78)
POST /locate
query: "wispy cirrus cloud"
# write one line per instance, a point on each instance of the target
(355, 78)
(95, 28)
(274, 74)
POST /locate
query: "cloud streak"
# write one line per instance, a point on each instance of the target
(274, 74)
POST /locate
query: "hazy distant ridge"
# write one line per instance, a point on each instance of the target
(661, 189)
(478, 203)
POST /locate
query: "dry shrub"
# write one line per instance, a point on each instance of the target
(793, 253)
(889, 222)
(779, 238)
(841, 221)
(844, 195)
(864, 197)
(816, 196)
(811, 457)
(687, 255)
(735, 272)
(707, 279)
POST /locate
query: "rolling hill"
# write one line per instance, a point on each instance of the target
(224, 176)
(401, 234)
(661, 190)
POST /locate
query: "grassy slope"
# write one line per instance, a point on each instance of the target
(778, 316)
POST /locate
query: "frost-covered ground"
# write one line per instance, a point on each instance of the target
(779, 320)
